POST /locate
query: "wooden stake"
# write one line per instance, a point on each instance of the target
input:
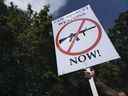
(92, 84)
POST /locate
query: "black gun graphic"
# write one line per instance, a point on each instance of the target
(73, 34)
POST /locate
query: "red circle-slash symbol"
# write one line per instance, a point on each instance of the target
(74, 37)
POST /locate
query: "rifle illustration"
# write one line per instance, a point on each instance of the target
(73, 34)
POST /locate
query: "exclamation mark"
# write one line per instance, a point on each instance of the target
(98, 52)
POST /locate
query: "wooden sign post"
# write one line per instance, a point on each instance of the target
(92, 84)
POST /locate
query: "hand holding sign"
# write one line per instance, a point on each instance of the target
(93, 46)
(89, 51)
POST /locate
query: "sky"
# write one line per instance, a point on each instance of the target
(37, 5)
(107, 11)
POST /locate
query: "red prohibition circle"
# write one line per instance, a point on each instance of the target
(85, 50)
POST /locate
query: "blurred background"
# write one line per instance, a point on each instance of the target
(27, 56)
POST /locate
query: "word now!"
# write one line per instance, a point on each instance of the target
(83, 58)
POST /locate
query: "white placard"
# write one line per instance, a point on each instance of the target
(80, 41)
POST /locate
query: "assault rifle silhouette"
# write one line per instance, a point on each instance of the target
(73, 34)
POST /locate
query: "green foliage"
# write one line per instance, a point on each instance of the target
(119, 36)
(25, 64)
(115, 73)
(109, 73)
